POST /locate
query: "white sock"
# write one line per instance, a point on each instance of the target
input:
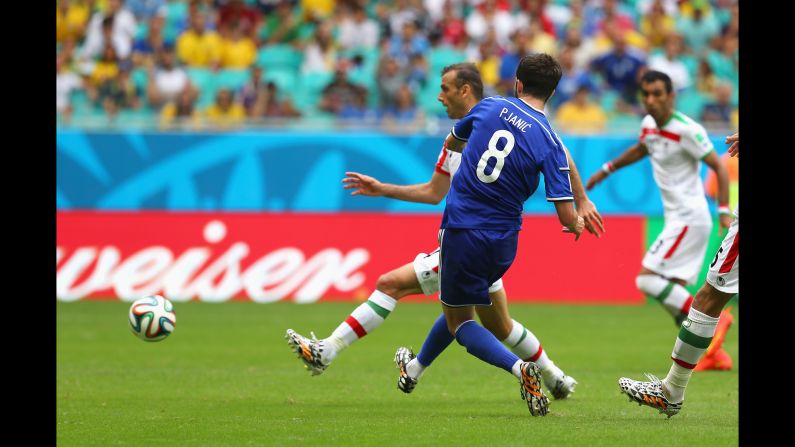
(414, 368)
(673, 297)
(366, 318)
(516, 370)
(675, 382)
(694, 337)
(527, 347)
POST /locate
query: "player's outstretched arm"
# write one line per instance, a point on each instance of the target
(724, 213)
(734, 140)
(571, 221)
(585, 208)
(631, 155)
(432, 191)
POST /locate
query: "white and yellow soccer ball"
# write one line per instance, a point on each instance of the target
(152, 318)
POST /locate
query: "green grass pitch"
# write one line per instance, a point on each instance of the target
(227, 377)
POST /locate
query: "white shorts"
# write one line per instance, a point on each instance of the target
(426, 267)
(678, 252)
(724, 271)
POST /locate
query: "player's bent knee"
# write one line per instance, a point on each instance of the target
(500, 329)
(389, 284)
(644, 281)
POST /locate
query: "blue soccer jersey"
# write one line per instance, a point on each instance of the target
(508, 143)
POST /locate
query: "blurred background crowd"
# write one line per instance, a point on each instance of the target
(229, 64)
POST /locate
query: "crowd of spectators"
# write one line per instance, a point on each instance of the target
(225, 63)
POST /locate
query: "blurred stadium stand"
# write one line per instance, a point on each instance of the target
(93, 92)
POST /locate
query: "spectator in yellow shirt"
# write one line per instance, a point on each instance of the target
(181, 111)
(317, 9)
(197, 47)
(581, 116)
(106, 67)
(71, 18)
(237, 50)
(489, 64)
(656, 25)
(225, 112)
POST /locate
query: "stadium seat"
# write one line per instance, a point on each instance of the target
(279, 56)
(692, 65)
(135, 118)
(426, 98)
(691, 103)
(608, 100)
(141, 30)
(285, 80)
(176, 12)
(80, 103)
(139, 78)
(367, 79)
(369, 55)
(231, 79)
(204, 80)
(443, 56)
(623, 123)
(200, 77)
(310, 87)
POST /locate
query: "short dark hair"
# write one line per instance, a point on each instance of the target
(654, 75)
(467, 73)
(539, 74)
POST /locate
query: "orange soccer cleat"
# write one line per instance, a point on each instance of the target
(720, 360)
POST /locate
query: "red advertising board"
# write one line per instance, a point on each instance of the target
(306, 257)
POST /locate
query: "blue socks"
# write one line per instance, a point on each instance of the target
(438, 340)
(484, 345)
(479, 342)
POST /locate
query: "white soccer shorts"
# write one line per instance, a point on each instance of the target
(724, 271)
(678, 252)
(426, 267)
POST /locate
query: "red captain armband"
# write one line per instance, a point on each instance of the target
(441, 160)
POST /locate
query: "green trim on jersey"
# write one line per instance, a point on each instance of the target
(669, 119)
(679, 117)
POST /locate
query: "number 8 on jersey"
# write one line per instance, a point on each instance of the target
(493, 152)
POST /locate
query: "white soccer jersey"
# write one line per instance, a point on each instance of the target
(676, 150)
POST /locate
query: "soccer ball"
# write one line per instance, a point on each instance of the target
(152, 318)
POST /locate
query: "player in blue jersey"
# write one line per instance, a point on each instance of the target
(505, 143)
(461, 89)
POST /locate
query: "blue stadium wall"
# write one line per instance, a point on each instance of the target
(276, 171)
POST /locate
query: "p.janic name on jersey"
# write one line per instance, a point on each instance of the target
(511, 118)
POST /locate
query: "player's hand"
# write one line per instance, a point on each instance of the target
(734, 149)
(595, 179)
(363, 184)
(587, 210)
(577, 230)
(725, 221)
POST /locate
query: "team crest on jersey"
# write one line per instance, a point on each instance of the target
(721, 281)
(426, 274)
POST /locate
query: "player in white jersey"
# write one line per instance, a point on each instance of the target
(676, 144)
(723, 282)
(461, 90)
